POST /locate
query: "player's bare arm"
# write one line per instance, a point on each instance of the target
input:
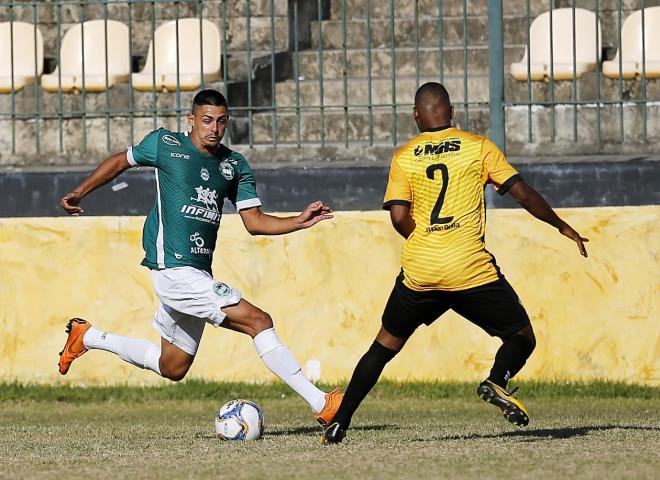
(259, 223)
(534, 203)
(402, 220)
(108, 170)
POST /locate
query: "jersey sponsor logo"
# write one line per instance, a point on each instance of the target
(204, 173)
(227, 170)
(440, 228)
(221, 289)
(438, 148)
(179, 155)
(171, 140)
(197, 239)
(178, 256)
(206, 196)
(209, 212)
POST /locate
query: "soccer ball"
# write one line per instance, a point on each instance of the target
(239, 420)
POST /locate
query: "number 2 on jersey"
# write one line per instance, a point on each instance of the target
(435, 213)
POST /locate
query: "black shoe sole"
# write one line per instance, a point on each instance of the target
(333, 434)
(510, 410)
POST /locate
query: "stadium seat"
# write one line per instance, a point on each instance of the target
(70, 69)
(587, 46)
(630, 50)
(25, 66)
(163, 49)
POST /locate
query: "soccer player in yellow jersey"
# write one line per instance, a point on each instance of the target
(435, 196)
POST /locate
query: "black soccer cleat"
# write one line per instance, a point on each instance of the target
(512, 408)
(333, 434)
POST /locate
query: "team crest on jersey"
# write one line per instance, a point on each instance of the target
(171, 140)
(226, 170)
(204, 174)
(221, 289)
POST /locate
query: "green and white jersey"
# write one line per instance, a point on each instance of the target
(191, 186)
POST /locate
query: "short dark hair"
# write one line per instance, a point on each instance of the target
(209, 97)
(432, 92)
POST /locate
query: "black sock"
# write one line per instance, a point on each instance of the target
(364, 377)
(510, 358)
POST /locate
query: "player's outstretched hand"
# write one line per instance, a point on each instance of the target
(568, 231)
(70, 203)
(313, 214)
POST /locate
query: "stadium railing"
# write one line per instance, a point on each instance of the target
(331, 72)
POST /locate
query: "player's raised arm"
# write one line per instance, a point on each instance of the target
(534, 203)
(108, 169)
(259, 223)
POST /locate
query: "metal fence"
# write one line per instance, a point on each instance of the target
(620, 92)
(324, 72)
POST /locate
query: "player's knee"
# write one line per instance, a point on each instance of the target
(174, 373)
(528, 334)
(174, 376)
(261, 321)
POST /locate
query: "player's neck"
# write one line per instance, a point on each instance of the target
(436, 128)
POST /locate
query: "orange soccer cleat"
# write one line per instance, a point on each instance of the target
(332, 401)
(74, 346)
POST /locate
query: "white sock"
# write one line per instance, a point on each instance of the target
(138, 352)
(280, 361)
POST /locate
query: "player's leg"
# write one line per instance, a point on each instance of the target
(251, 320)
(167, 360)
(512, 355)
(82, 336)
(174, 363)
(404, 312)
(495, 307)
(180, 337)
(365, 376)
(510, 358)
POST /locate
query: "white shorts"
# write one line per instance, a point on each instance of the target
(189, 298)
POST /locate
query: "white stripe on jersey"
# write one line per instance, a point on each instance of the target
(249, 203)
(130, 158)
(160, 250)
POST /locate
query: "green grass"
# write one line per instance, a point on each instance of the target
(200, 389)
(403, 430)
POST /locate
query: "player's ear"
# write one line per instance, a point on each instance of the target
(415, 113)
(451, 112)
(191, 119)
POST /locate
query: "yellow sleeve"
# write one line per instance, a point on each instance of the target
(398, 187)
(496, 169)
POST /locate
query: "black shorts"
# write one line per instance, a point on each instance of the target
(494, 307)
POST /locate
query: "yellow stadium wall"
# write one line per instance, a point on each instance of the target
(326, 288)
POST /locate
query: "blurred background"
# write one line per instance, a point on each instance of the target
(320, 93)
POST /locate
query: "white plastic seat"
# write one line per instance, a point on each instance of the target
(189, 57)
(630, 49)
(587, 46)
(71, 58)
(25, 66)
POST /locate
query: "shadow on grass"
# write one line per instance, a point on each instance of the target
(318, 429)
(545, 433)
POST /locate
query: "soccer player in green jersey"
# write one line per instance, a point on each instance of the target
(194, 174)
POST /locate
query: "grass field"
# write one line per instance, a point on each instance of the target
(597, 430)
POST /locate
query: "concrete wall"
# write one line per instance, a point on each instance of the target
(326, 287)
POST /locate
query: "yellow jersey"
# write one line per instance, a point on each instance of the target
(441, 175)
